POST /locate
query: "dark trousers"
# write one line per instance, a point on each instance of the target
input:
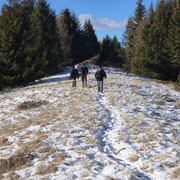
(74, 83)
(100, 86)
(84, 79)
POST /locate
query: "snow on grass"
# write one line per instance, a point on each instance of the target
(131, 131)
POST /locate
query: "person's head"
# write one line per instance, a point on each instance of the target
(100, 67)
(76, 66)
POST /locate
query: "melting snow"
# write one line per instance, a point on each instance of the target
(131, 131)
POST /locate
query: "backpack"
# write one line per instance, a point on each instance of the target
(84, 71)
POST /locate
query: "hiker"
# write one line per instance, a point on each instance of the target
(74, 75)
(84, 72)
(100, 75)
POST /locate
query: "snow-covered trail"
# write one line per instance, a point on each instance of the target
(115, 165)
(127, 152)
(131, 131)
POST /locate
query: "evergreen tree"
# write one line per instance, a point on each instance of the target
(28, 42)
(139, 19)
(1, 75)
(140, 13)
(91, 45)
(106, 51)
(118, 53)
(173, 42)
(145, 47)
(45, 41)
(14, 30)
(66, 41)
(128, 43)
(161, 65)
(71, 36)
(110, 52)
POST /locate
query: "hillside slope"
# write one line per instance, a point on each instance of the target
(53, 131)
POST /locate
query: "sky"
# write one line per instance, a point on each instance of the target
(109, 17)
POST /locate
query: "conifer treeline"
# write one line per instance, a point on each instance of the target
(152, 41)
(34, 42)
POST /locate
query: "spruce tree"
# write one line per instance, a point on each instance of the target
(71, 36)
(14, 30)
(66, 42)
(111, 52)
(45, 40)
(139, 18)
(128, 43)
(161, 62)
(91, 45)
(144, 51)
(118, 53)
(173, 42)
(140, 13)
(106, 51)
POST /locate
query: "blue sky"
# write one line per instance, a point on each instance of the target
(107, 16)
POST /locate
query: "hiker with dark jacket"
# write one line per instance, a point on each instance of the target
(74, 75)
(84, 72)
(100, 75)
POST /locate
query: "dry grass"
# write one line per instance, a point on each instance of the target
(170, 164)
(112, 101)
(46, 169)
(145, 167)
(121, 137)
(119, 151)
(2, 177)
(159, 103)
(31, 104)
(4, 142)
(133, 158)
(148, 139)
(176, 173)
(46, 152)
(29, 146)
(90, 140)
(134, 91)
(59, 159)
(13, 176)
(177, 104)
(15, 161)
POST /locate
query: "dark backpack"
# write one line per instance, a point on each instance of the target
(84, 70)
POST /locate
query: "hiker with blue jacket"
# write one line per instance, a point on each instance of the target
(100, 75)
(84, 72)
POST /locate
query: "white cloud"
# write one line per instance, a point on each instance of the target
(102, 23)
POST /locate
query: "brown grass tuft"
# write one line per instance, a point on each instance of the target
(177, 104)
(60, 158)
(119, 151)
(4, 142)
(31, 104)
(45, 169)
(1, 177)
(133, 158)
(160, 103)
(176, 173)
(15, 161)
(13, 176)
